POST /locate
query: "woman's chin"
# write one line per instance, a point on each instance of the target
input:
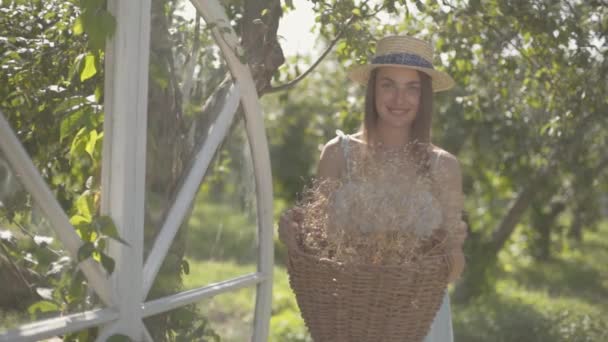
(397, 121)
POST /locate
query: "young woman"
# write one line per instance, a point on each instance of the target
(400, 83)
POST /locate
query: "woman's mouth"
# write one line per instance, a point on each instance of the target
(398, 111)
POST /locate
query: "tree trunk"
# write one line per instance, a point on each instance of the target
(167, 152)
(507, 225)
(576, 228)
(259, 38)
(486, 253)
(17, 290)
(545, 223)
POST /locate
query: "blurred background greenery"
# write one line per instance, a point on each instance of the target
(527, 121)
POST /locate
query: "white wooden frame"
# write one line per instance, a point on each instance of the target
(123, 187)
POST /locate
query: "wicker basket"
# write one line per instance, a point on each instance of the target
(358, 303)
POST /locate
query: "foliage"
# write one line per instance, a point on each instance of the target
(526, 122)
(51, 85)
(530, 85)
(51, 89)
(528, 316)
(298, 126)
(552, 300)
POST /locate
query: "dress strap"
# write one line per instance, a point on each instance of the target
(344, 142)
(435, 160)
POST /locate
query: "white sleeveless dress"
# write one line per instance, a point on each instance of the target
(441, 328)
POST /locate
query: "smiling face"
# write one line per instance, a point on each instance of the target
(397, 95)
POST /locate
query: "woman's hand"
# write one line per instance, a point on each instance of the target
(454, 248)
(289, 220)
(456, 262)
(457, 236)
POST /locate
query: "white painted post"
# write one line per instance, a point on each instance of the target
(213, 12)
(124, 158)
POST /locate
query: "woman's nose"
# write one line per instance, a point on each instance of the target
(401, 95)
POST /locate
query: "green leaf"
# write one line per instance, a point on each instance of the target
(79, 219)
(90, 146)
(96, 255)
(89, 69)
(43, 306)
(76, 66)
(70, 104)
(77, 27)
(356, 12)
(185, 267)
(83, 335)
(106, 227)
(71, 123)
(84, 205)
(119, 338)
(98, 93)
(107, 262)
(85, 251)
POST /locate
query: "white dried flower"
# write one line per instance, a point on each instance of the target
(384, 212)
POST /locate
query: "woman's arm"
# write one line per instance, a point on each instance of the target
(448, 177)
(331, 165)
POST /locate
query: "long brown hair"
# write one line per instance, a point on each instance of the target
(420, 131)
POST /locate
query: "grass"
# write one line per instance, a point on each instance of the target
(558, 301)
(231, 315)
(564, 299)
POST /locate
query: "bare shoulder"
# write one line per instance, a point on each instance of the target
(444, 162)
(448, 177)
(331, 162)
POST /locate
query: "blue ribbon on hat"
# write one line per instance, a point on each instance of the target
(402, 58)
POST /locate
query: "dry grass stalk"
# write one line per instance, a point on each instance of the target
(384, 213)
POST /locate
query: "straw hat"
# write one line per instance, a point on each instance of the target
(403, 52)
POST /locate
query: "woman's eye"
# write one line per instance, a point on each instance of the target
(414, 89)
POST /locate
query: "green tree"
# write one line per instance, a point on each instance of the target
(526, 119)
(51, 90)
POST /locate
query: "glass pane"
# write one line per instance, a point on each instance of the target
(38, 279)
(227, 317)
(187, 78)
(219, 239)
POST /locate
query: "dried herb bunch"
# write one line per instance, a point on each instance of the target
(383, 212)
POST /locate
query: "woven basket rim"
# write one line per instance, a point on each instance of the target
(294, 248)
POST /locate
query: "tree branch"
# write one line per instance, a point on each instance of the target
(314, 65)
(16, 271)
(523, 200)
(191, 63)
(508, 41)
(517, 208)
